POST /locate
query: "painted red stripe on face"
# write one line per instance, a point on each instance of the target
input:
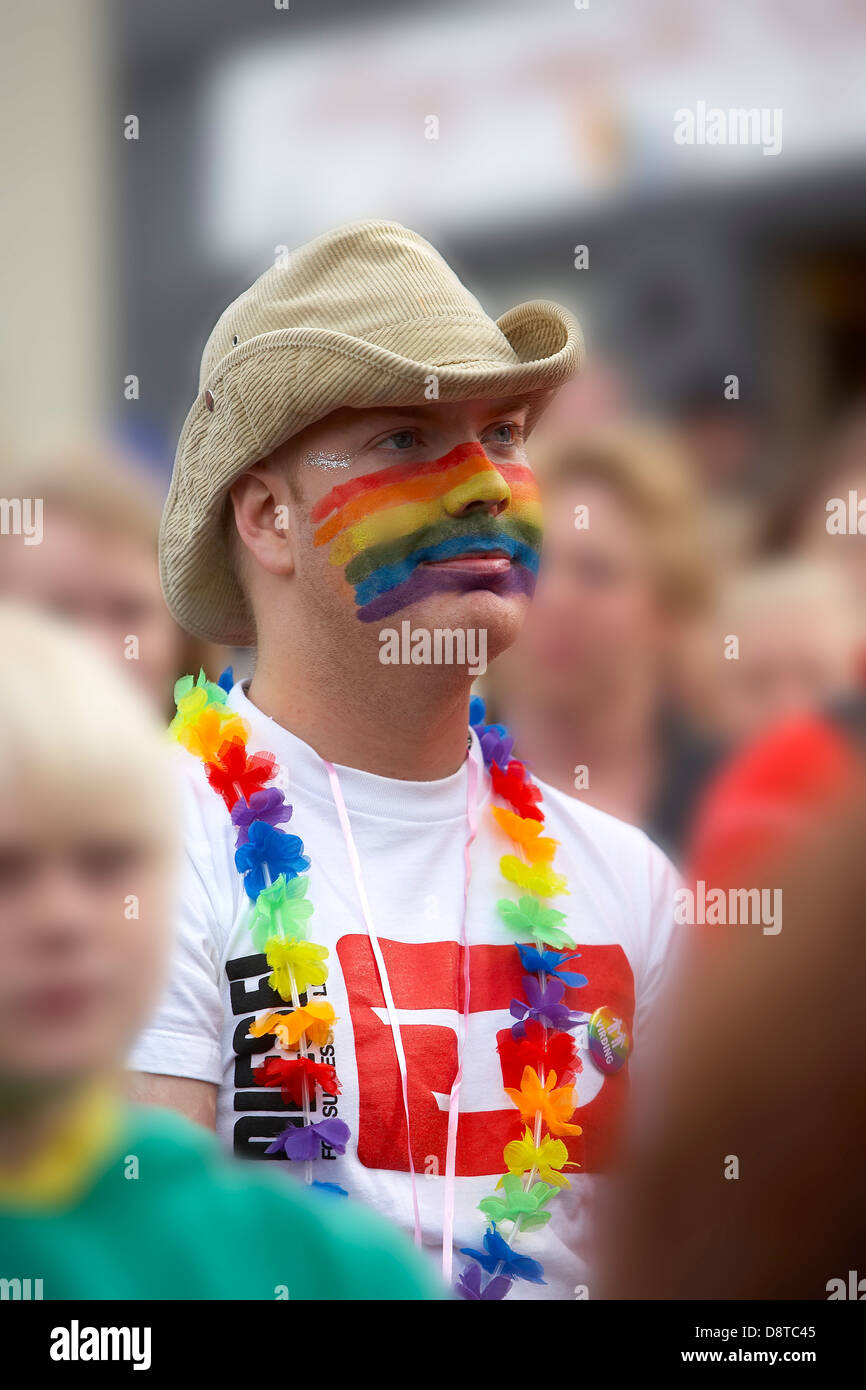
(395, 473)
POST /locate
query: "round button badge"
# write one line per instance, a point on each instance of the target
(609, 1043)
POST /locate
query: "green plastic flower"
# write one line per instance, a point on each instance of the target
(518, 1203)
(529, 917)
(281, 912)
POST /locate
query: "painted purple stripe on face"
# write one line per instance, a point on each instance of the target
(424, 581)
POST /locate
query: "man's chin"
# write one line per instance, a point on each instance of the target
(480, 610)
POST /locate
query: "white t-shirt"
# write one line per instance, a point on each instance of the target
(411, 838)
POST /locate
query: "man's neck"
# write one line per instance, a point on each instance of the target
(404, 722)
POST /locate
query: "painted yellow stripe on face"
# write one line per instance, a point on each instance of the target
(395, 522)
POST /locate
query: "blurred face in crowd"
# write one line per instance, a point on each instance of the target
(596, 622)
(793, 657)
(106, 583)
(78, 969)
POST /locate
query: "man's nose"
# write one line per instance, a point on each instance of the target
(485, 491)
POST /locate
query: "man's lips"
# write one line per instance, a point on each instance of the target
(478, 561)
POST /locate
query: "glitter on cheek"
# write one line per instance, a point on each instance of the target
(328, 461)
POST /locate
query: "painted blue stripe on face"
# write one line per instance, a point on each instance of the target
(389, 576)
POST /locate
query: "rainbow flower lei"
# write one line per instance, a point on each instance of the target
(540, 1039)
(274, 868)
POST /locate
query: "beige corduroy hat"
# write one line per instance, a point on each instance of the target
(363, 316)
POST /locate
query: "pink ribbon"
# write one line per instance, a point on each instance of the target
(454, 1098)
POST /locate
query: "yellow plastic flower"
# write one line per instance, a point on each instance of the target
(556, 1106)
(539, 849)
(538, 879)
(303, 960)
(521, 1155)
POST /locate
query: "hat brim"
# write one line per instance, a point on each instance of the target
(272, 387)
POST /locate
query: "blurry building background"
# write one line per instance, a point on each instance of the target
(261, 126)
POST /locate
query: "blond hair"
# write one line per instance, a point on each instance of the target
(77, 732)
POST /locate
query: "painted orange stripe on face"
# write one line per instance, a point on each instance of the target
(421, 482)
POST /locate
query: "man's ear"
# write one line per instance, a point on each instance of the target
(263, 510)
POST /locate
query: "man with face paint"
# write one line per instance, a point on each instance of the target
(353, 480)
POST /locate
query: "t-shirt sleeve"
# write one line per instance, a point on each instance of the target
(183, 1035)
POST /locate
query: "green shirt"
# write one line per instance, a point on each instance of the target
(169, 1216)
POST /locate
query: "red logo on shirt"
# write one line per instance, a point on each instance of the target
(428, 976)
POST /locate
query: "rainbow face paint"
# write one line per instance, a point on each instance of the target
(387, 529)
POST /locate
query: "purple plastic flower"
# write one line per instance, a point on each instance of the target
(543, 1005)
(304, 1142)
(496, 744)
(497, 1252)
(469, 1285)
(267, 847)
(549, 962)
(268, 805)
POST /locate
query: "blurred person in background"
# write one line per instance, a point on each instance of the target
(788, 643)
(724, 441)
(822, 514)
(601, 687)
(96, 564)
(747, 1176)
(98, 1199)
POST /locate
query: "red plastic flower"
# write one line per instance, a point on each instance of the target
(558, 1053)
(235, 775)
(514, 786)
(295, 1075)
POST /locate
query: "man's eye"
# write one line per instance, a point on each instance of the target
(402, 439)
(504, 434)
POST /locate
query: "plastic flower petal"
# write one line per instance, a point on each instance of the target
(269, 805)
(315, 1018)
(226, 679)
(513, 786)
(269, 849)
(235, 774)
(333, 1188)
(521, 1156)
(535, 1097)
(496, 744)
(544, 1003)
(477, 711)
(550, 963)
(296, 1075)
(498, 1255)
(536, 878)
(195, 693)
(301, 1142)
(529, 917)
(204, 734)
(469, 1285)
(540, 1049)
(303, 961)
(539, 849)
(281, 911)
(520, 1203)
